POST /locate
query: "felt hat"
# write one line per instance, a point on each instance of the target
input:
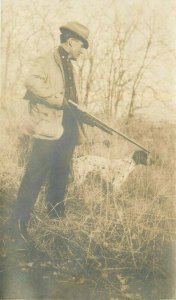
(77, 31)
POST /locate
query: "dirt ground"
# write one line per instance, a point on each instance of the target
(32, 274)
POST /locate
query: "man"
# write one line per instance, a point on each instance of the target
(55, 130)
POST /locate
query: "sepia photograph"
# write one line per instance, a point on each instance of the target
(88, 150)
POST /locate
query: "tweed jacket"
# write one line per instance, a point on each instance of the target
(46, 82)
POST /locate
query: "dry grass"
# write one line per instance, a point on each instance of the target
(129, 230)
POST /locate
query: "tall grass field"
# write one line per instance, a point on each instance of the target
(129, 231)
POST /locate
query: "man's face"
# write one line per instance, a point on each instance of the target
(75, 49)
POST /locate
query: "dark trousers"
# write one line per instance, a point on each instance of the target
(48, 160)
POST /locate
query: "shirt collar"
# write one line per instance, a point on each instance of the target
(63, 53)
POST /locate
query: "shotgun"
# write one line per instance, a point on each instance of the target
(91, 120)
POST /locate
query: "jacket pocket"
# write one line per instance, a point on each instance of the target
(44, 122)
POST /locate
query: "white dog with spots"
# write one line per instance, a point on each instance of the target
(115, 171)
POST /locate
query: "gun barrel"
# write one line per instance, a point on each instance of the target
(112, 130)
(130, 140)
(97, 122)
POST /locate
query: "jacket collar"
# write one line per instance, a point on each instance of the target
(58, 61)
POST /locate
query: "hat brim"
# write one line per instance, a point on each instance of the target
(75, 35)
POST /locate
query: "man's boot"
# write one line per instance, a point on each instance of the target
(22, 236)
(17, 231)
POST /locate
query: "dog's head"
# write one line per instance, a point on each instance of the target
(141, 157)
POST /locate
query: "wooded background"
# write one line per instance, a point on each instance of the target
(129, 68)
